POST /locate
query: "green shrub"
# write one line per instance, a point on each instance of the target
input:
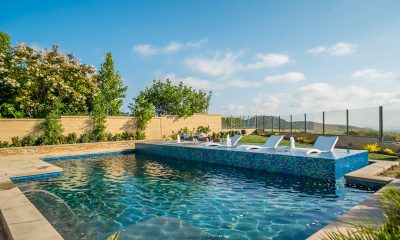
(4, 144)
(118, 137)
(110, 137)
(41, 140)
(203, 129)
(140, 135)
(71, 138)
(390, 229)
(28, 141)
(52, 126)
(84, 138)
(126, 135)
(243, 132)
(16, 142)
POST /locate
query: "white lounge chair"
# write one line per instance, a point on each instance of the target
(235, 139)
(272, 142)
(323, 144)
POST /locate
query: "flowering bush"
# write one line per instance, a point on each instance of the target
(388, 151)
(372, 148)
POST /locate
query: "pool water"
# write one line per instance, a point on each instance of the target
(118, 193)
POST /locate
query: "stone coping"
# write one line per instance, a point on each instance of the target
(369, 174)
(22, 220)
(370, 211)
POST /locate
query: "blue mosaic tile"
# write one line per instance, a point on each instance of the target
(325, 166)
(35, 177)
(89, 155)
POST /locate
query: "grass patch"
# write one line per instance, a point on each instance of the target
(377, 156)
(261, 140)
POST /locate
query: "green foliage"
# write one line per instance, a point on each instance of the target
(84, 138)
(7, 110)
(140, 135)
(28, 141)
(110, 137)
(5, 42)
(143, 110)
(390, 229)
(31, 81)
(53, 132)
(99, 119)
(4, 144)
(71, 138)
(111, 86)
(118, 137)
(304, 140)
(179, 100)
(16, 142)
(203, 129)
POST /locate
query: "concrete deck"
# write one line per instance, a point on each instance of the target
(369, 174)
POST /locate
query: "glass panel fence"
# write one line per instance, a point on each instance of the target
(391, 125)
(335, 122)
(298, 123)
(285, 123)
(314, 123)
(364, 122)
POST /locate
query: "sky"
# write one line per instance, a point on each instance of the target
(257, 57)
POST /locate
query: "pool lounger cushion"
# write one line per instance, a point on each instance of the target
(323, 144)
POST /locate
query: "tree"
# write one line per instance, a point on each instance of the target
(99, 118)
(5, 42)
(144, 110)
(53, 132)
(33, 81)
(170, 99)
(111, 86)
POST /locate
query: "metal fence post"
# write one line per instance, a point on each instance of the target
(380, 123)
(305, 122)
(263, 118)
(323, 123)
(256, 122)
(291, 124)
(272, 123)
(231, 123)
(279, 124)
(347, 122)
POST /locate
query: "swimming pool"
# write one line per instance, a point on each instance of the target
(129, 193)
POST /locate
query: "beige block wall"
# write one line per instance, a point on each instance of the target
(157, 128)
(171, 124)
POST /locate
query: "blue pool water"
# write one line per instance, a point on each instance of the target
(126, 192)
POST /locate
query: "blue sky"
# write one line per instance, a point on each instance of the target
(258, 57)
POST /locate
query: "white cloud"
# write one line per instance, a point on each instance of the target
(316, 50)
(197, 44)
(224, 65)
(341, 49)
(217, 66)
(316, 97)
(372, 74)
(149, 50)
(145, 49)
(337, 49)
(289, 77)
(204, 84)
(268, 60)
(172, 47)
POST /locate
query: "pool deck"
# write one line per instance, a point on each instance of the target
(21, 219)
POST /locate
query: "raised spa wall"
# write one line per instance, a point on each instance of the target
(329, 168)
